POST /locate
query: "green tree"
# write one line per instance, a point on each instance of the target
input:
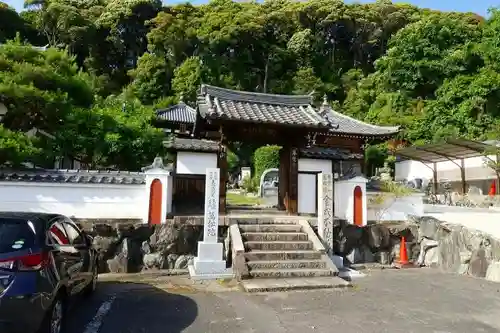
(39, 88)
(108, 136)
(16, 148)
(264, 158)
(187, 78)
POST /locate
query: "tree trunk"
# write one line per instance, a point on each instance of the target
(266, 74)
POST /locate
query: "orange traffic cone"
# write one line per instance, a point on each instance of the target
(403, 255)
(493, 189)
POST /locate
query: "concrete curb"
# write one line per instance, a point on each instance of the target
(142, 276)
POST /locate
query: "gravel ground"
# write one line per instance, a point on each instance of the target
(413, 300)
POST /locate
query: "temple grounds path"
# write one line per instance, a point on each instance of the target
(416, 300)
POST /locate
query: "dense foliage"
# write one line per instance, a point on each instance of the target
(436, 74)
(265, 157)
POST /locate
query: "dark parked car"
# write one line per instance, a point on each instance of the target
(45, 259)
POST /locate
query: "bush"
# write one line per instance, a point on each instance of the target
(264, 158)
(250, 185)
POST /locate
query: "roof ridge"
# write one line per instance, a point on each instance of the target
(255, 97)
(362, 122)
(172, 107)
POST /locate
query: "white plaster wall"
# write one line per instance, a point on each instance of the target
(195, 163)
(75, 200)
(344, 198)
(307, 193)
(307, 183)
(475, 168)
(396, 209)
(314, 165)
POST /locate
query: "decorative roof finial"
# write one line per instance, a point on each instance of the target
(181, 98)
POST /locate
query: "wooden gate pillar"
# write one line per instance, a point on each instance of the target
(293, 181)
(223, 166)
(283, 178)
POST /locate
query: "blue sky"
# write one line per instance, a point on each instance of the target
(477, 6)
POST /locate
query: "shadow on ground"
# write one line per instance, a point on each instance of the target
(137, 308)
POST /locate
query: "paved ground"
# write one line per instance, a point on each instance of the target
(418, 300)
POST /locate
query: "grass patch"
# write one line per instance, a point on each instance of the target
(235, 199)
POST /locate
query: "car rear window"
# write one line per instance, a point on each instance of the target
(16, 235)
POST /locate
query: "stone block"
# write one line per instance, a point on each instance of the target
(283, 255)
(279, 246)
(478, 263)
(493, 272)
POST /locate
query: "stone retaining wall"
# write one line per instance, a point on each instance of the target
(429, 242)
(128, 247)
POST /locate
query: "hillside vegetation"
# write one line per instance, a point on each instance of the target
(110, 63)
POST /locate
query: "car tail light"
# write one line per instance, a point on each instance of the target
(30, 262)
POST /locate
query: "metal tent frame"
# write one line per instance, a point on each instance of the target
(450, 150)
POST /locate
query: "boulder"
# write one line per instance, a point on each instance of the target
(173, 238)
(128, 258)
(346, 237)
(118, 264)
(478, 263)
(493, 272)
(103, 230)
(378, 237)
(428, 253)
(170, 262)
(183, 261)
(431, 257)
(106, 248)
(428, 227)
(146, 248)
(152, 260)
(404, 229)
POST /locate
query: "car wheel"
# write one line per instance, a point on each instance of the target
(92, 286)
(54, 319)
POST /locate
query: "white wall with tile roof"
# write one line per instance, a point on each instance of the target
(92, 201)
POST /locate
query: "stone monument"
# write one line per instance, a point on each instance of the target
(325, 210)
(209, 264)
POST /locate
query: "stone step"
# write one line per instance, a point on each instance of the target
(279, 246)
(282, 255)
(274, 236)
(270, 228)
(284, 264)
(270, 285)
(290, 273)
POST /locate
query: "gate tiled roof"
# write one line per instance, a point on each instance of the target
(294, 110)
(227, 104)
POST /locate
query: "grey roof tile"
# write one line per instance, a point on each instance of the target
(192, 145)
(221, 103)
(341, 123)
(74, 176)
(329, 153)
(179, 113)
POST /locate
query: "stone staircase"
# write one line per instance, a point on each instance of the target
(285, 255)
